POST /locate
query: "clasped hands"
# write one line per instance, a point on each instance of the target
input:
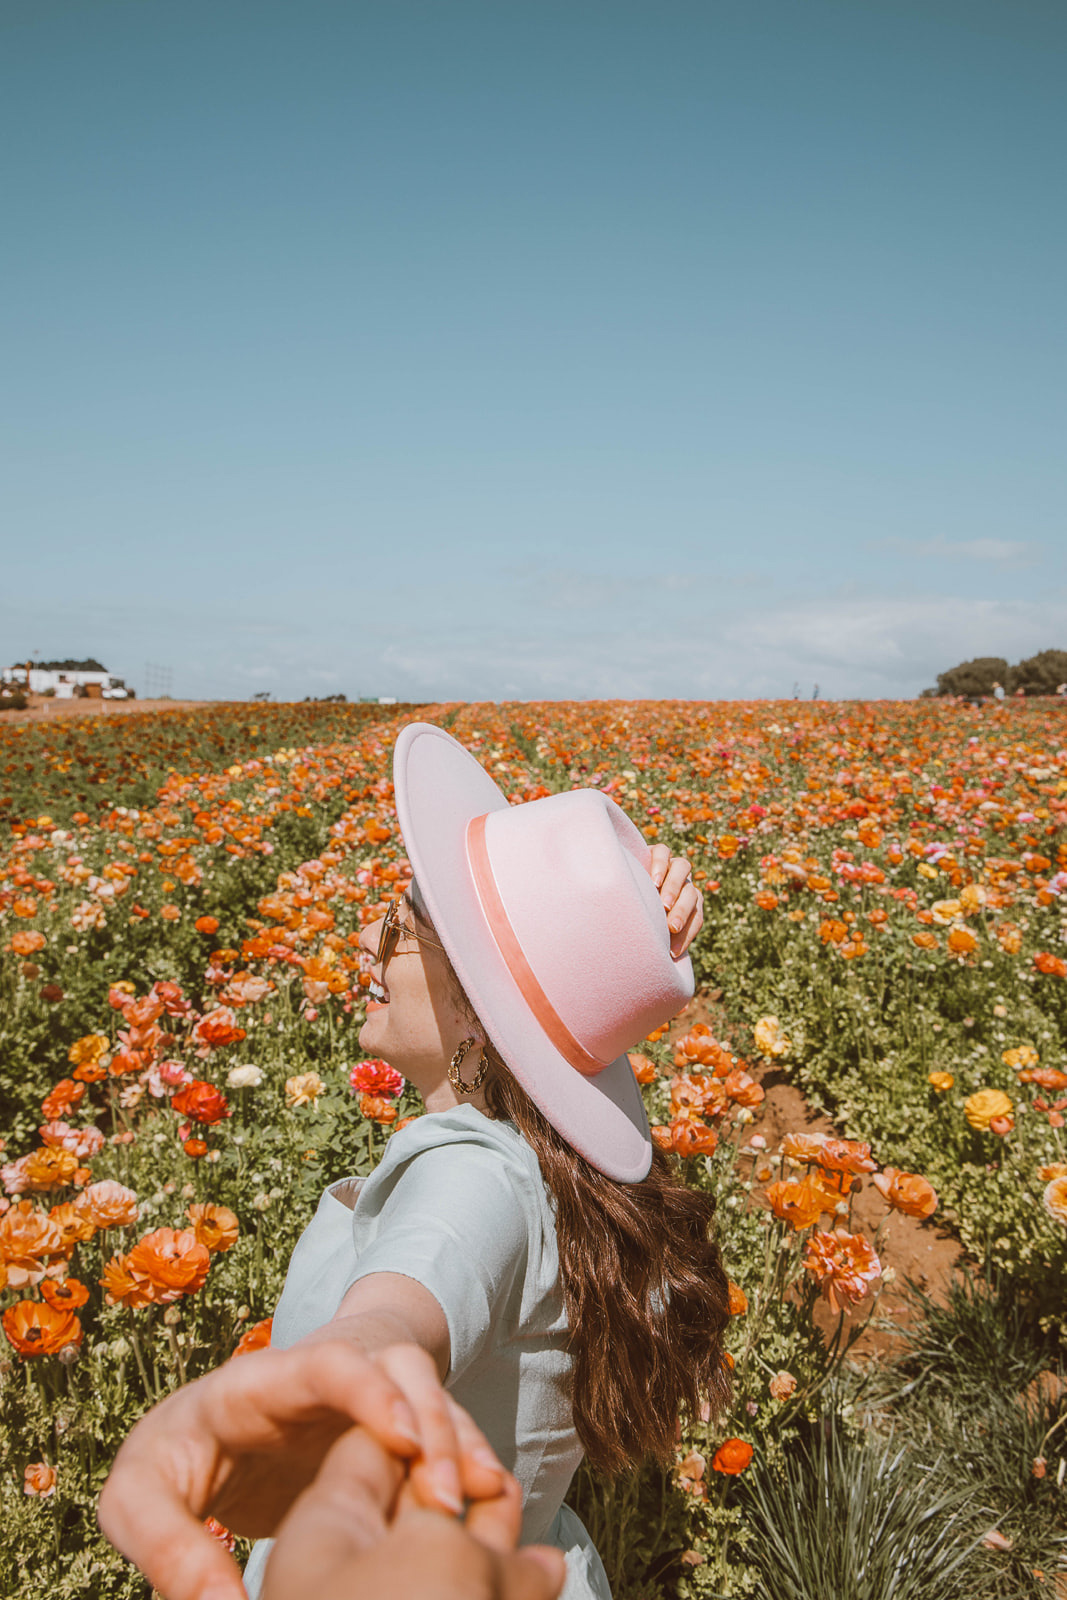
(331, 1452)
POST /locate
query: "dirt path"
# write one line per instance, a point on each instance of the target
(925, 1252)
(43, 708)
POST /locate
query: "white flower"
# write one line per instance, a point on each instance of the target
(248, 1076)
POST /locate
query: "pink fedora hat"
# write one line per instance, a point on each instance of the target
(555, 931)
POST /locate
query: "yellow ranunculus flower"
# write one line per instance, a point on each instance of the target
(770, 1040)
(90, 1048)
(941, 1081)
(303, 1090)
(973, 898)
(983, 1107)
(946, 911)
(1024, 1055)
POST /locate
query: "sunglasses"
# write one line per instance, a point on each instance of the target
(393, 930)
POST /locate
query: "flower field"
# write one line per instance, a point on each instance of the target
(180, 993)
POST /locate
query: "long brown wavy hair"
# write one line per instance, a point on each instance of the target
(644, 1289)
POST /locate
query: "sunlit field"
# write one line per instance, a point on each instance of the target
(181, 897)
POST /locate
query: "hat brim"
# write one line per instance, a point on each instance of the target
(439, 788)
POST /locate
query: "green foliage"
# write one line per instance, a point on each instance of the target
(974, 677)
(858, 1519)
(1040, 674)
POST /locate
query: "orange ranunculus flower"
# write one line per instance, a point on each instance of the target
(782, 1386)
(109, 1204)
(843, 1264)
(833, 931)
(206, 925)
(67, 1295)
(743, 1090)
(63, 1098)
(1047, 1077)
(195, 1148)
(662, 1136)
(985, 1107)
(1010, 938)
(25, 908)
(376, 1108)
(941, 1081)
(1055, 1200)
(39, 1479)
(170, 1263)
(766, 899)
(962, 942)
(255, 1338)
(732, 1457)
(727, 846)
(1052, 966)
(833, 1155)
(34, 1329)
(1023, 1055)
(906, 1192)
(122, 1288)
(202, 1102)
(28, 1242)
(1055, 1169)
(142, 1013)
(925, 940)
(214, 1226)
(738, 1301)
(644, 1070)
(691, 1137)
(28, 942)
(50, 1167)
(218, 1029)
(74, 1223)
(799, 1204)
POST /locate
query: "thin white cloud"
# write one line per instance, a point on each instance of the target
(1011, 552)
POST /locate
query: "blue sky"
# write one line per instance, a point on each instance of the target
(524, 350)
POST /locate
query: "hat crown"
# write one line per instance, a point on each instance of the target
(571, 874)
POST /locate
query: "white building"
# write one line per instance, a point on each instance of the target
(64, 681)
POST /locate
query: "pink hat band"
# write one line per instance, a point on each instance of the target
(564, 887)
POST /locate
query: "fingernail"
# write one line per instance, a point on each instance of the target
(486, 1458)
(445, 1480)
(404, 1422)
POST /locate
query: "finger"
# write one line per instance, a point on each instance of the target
(677, 877)
(537, 1572)
(306, 1382)
(340, 1516)
(683, 937)
(497, 1522)
(658, 863)
(480, 1469)
(435, 1475)
(179, 1557)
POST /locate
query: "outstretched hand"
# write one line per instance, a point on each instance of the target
(680, 897)
(241, 1444)
(340, 1539)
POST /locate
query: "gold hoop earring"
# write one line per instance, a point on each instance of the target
(457, 1061)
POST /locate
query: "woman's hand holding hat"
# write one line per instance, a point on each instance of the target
(682, 900)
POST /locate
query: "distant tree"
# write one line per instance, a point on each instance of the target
(1040, 674)
(974, 677)
(71, 666)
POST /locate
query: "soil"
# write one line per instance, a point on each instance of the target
(926, 1253)
(44, 708)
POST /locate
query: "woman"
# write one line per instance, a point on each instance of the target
(525, 1236)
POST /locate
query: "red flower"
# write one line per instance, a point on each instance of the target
(219, 1028)
(201, 1101)
(732, 1457)
(255, 1338)
(375, 1077)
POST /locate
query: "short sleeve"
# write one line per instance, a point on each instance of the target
(453, 1217)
